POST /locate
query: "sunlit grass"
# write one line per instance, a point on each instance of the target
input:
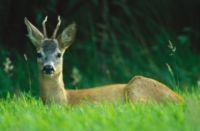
(28, 113)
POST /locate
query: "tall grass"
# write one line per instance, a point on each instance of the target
(28, 113)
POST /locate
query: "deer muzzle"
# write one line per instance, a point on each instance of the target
(48, 69)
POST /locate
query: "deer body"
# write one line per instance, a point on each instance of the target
(50, 61)
(138, 89)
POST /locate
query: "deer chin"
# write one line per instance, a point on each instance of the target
(48, 74)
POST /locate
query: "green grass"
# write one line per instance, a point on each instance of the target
(28, 113)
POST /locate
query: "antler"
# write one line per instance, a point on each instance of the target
(44, 27)
(57, 28)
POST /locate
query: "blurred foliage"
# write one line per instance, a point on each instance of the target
(116, 40)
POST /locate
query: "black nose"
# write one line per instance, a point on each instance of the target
(48, 69)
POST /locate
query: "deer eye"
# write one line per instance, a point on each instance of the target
(39, 55)
(58, 55)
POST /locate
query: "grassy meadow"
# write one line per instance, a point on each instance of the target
(25, 112)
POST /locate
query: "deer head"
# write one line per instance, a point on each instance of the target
(50, 50)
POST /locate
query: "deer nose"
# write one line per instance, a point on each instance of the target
(48, 69)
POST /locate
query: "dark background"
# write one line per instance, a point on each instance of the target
(116, 40)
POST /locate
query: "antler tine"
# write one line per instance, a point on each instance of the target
(44, 27)
(57, 28)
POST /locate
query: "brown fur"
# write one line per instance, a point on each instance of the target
(138, 89)
(145, 89)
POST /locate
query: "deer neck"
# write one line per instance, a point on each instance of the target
(52, 88)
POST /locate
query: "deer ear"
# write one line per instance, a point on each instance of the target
(66, 38)
(33, 33)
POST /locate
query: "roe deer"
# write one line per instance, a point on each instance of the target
(50, 61)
